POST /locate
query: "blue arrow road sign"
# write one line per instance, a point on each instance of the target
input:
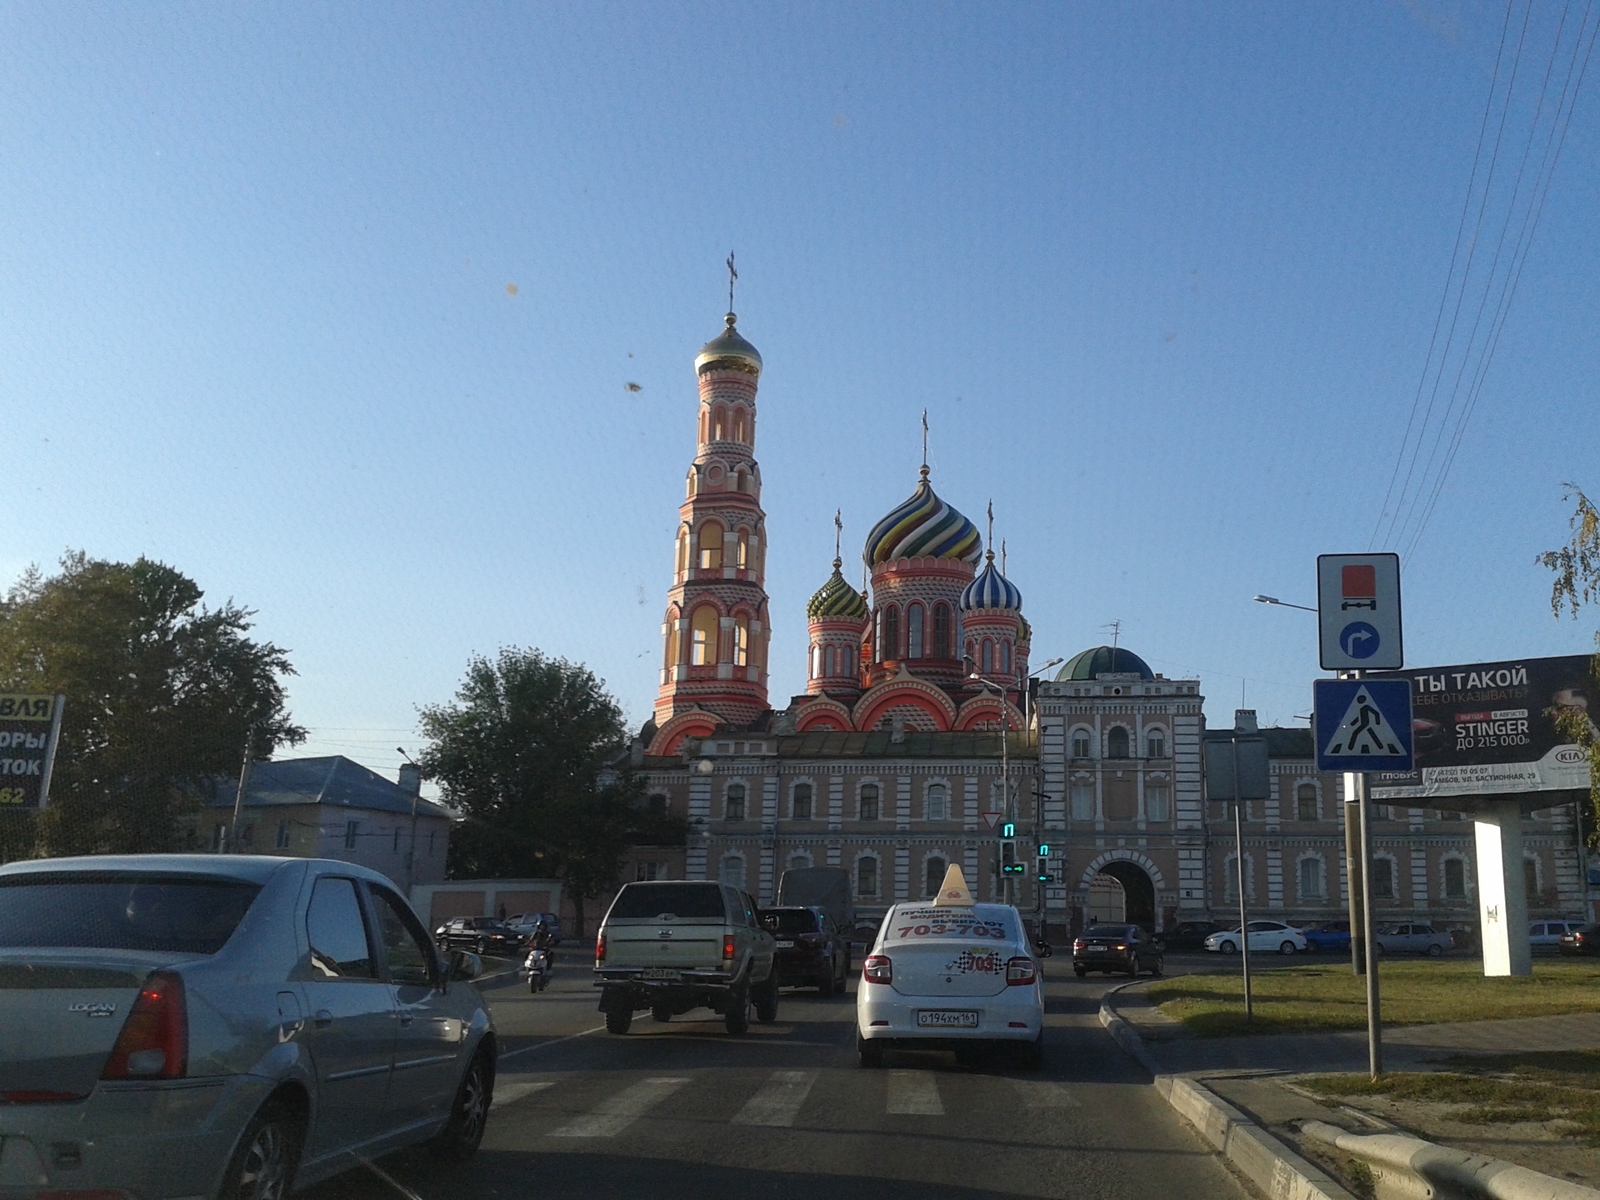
(1363, 724)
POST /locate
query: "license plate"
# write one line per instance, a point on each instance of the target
(660, 973)
(1095, 946)
(941, 1018)
(785, 945)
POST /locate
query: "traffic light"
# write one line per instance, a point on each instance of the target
(1008, 859)
(1044, 870)
(1008, 830)
(1044, 849)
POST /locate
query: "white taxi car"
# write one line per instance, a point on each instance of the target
(950, 975)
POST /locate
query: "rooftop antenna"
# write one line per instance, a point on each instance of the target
(1116, 632)
(838, 533)
(733, 277)
(924, 444)
(1002, 556)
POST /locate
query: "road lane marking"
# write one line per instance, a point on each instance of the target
(552, 1042)
(616, 1113)
(915, 1093)
(779, 1099)
(388, 1178)
(510, 1093)
(1038, 1093)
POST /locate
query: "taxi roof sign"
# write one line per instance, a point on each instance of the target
(953, 892)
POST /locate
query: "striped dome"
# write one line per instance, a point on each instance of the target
(836, 598)
(990, 590)
(923, 527)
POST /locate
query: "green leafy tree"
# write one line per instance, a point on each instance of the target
(161, 693)
(1577, 569)
(526, 754)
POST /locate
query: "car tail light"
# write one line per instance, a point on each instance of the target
(728, 947)
(154, 1042)
(600, 950)
(1120, 946)
(1080, 944)
(877, 969)
(1020, 972)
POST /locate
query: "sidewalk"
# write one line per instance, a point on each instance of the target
(1405, 1047)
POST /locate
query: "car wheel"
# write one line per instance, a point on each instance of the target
(660, 1014)
(618, 1020)
(829, 984)
(1133, 966)
(766, 1000)
(736, 1020)
(1160, 967)
(1080, 972)
(468, 1112)
(1435, 950)
(1286, 948)
(483, 947)
(1033, 1056)
(264, 1165)
(1228, 947)
(871, 1053)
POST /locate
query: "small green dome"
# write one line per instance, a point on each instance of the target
(1103, 660)
(837, 598)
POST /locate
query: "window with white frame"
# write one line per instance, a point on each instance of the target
(938, 802)
(1382, 877)
(1155, 744)
(1083, 801)
(1157, 802)
(1455, 879)
(869, 802)
(1230, 880)
(1117, 742)
(732, 872)
(1080, 743)
(1312, 886)
(733, 802)
(801, 807)
(1305, 802)
(867, 875)
(799, 861)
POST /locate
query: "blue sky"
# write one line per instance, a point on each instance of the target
(1163, 276)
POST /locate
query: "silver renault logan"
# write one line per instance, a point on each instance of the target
(212, 1026)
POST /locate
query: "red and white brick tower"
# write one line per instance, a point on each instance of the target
(714, 669)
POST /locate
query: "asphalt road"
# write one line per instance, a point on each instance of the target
(682, 1109)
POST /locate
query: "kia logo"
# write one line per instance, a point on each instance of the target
(1569, 756)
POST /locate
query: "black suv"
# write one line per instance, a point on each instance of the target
(811, 952)
(481, 935)
(1125, 949)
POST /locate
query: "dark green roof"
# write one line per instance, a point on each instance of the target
(1103, 660)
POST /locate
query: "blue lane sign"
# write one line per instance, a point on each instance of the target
(1363, 724)
(1359, 640)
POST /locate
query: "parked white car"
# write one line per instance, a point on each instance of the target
(1265, 937)
(1546, 935)
(950, 975)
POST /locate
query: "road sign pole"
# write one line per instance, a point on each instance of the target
(1238, 875)
(1374, 1025)
(50, 750)
(1355, 873)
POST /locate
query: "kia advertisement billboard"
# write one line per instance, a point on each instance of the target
(1484, 729)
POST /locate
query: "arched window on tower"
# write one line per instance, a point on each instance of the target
(988, 657)
(816, 661)
(742, 559)
(940, 647)
(830, 662)
(889, 635)
(710, 546)
(719, 424)
(1005, 657)
(914, 631)
(683, 550)
(703, 636)
(741, 480)
(741, 641)
(739, 427)
(674, 641)
(689, 485)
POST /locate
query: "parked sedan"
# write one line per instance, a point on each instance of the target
(1265, 936)
(1331, 937)
(1190, 935)
(1546, 935)
(1125, 949)
(1412, 938)
(1583, 940)
(811, 952)
(481, 935)
(205, 1025)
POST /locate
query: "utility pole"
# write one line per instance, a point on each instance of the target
(244, 785)
(1238, 875)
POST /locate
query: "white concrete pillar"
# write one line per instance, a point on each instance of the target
(1502, 893)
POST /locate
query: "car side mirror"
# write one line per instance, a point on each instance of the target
(464, 966)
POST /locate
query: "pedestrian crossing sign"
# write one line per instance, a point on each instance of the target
(1363, 724)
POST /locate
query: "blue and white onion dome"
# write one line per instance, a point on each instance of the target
(990, 590)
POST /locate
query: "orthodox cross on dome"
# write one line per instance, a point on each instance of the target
(1002, 556)
(990, 538)
(733, 277)
(838, 533)
(924, 443)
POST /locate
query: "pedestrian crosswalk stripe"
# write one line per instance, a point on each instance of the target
(779, 1099)
(510, 1093)
(616, 1113)
(1036, 1093)
(915, 1093)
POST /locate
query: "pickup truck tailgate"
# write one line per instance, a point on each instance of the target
(682, 943)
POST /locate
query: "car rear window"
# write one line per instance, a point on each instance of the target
(790, 920)
(650, 900)
(121, 910)
(926, 924)
(1105, 931)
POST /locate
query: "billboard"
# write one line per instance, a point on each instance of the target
(1483, 729)
(28, 725)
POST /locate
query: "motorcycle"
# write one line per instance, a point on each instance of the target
(538, 967)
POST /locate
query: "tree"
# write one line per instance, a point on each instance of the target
(161, 693)
(525, 754)
(1577, 568)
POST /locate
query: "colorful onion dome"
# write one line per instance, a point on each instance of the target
(728, 349)
(924, 526)
(990, 590)
(836, 598)
(1024, 630)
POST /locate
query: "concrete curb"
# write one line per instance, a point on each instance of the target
(1411, 1166)
(1261, 1158)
